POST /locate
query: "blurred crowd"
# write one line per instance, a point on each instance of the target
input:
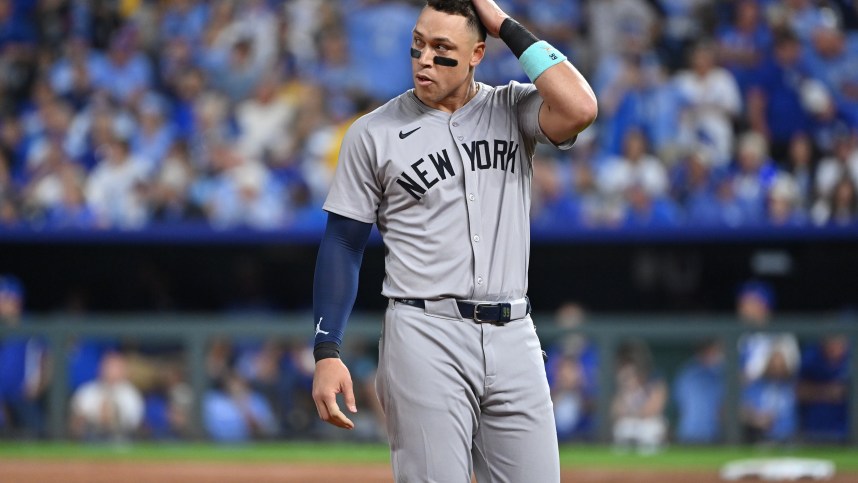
(715, 114)
(125, 390)
(789, 392)
(136, 113)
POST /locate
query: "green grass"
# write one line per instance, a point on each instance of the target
(679, 458)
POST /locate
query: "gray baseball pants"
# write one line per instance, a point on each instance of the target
(462, 398)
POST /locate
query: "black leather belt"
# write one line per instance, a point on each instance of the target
(484, 313)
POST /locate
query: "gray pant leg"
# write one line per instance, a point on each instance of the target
(517, 440)
(428, 382)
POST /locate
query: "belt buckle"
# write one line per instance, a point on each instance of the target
(477, 318)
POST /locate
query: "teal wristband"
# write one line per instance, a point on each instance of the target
(539, 57)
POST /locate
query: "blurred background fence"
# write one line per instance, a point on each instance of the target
(192, 343)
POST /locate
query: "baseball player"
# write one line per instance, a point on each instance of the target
(444, 171)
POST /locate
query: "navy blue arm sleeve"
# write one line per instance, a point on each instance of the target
(336, 281)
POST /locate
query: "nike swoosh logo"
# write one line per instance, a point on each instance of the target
(403, 135)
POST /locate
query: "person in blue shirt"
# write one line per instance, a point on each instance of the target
(743, 43)
(699, 395)
(23, 368)
(823, 390)
(234, 413)
(774, 99)
(376, 31)
(572, 367)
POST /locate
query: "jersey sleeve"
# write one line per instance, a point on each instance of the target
(356, 190)
(528, 103)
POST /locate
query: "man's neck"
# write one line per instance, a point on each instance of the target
(456, 100)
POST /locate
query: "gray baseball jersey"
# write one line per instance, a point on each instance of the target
(450, 193)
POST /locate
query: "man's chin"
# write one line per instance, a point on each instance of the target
(426, 93)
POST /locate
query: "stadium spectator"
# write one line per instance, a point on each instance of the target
(235, 413)
(184, 19)
(572, 368)
(843, 163)
(636, 167)
(638, 406)
(94, 128)
(235, 72)
(774, 107)
(153, 137)
(559, 22)
(377, 32)
(718, 206)
(753, 175)
(769, 410)
(115, 189)
(13, 146)
(754, 305)
(336, 73)
(72, 74)
(784, 203)
(699, 395)
(553, 203)
(70, 210)
(265, 123)
(109, 408)
(24, 369)
(621, 23)
(168, 406)
(17, 56)
(829, 123)
(648, 211)
(830, 61)
(244, 194)
(840, 208)
(127, 72)
(804, 17)
(45, 187)
(168, 194)
(8, 208)
(823, 390)
(570, 405)
(800, 163)
(624, 85)
(743, 44)
(713, 99)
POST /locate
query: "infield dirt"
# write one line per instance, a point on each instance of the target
(24, 471)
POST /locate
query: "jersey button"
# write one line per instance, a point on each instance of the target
(461, 138)
(472, 197)
(455, 124)
(476, 238)
(479, 280)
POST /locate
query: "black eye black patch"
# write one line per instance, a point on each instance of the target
(445, 61)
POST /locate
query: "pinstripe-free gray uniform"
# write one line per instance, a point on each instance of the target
(450, 194)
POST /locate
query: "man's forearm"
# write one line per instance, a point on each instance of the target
(336, 281)
(569, 103)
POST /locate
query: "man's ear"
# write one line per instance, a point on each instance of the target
(478, 54)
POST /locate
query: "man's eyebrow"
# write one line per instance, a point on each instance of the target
(436, 39)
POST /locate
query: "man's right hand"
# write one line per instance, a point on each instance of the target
(330, 378)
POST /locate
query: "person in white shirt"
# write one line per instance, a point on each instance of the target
(109, 407)
(714, 100)
(754, 306)
(115, 188)
(634, 168)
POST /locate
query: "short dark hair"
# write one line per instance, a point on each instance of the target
(460, 7)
